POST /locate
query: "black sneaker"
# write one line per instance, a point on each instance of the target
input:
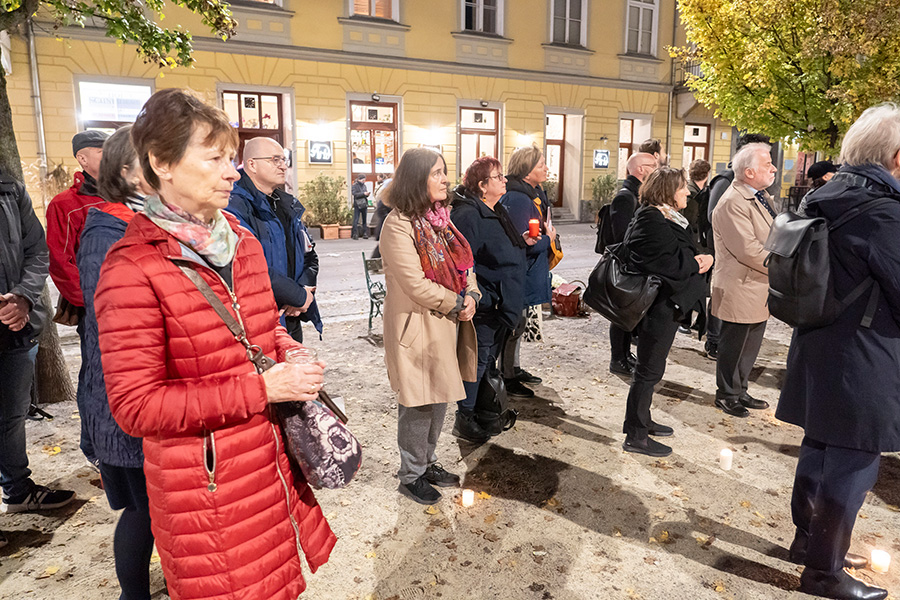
(437, 475)
(684, 330)
(648, 446)
(3, 539)
(711, 351)
(516, 388)
(40, 498)
(467, 428)
(526, 377)
(420, 491)
(621, 367)
(660, 430)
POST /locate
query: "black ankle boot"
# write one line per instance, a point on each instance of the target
(840, 585)
(467, 428)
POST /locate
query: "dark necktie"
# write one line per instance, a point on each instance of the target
(762, 200)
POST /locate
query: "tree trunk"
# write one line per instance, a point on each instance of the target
(51, 374)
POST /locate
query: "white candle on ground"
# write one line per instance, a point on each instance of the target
(881, 561)
(725, 458)
(468, 497)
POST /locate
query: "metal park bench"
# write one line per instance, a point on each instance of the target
(375, 288)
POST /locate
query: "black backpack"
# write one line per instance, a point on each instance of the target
(604, 229)
(801, 289)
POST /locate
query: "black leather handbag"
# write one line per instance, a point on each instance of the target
(618, 292)
(492, 410)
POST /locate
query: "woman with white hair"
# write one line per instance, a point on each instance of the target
(842, 384)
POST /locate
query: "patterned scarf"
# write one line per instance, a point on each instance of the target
(444, 253)
(215, 241)
(673, 215)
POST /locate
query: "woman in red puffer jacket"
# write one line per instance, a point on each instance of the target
(229, 518)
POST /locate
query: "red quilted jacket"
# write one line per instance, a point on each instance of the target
(229, 519)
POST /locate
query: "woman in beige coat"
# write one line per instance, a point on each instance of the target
(429, 339)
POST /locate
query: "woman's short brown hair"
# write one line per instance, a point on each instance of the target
(166, 123)
(118, 153)
(523, 161)
(408, 191)
(660, 186)
(699, 170)
(479, 172)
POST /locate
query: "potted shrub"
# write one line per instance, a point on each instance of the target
(603, 188)
(324, 199)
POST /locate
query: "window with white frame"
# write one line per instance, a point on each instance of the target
(108, 106)
(569, 22)
(382, 9)
(483, 16)
(640, 27)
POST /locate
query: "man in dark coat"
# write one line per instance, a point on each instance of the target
(276, 219)
(621, 211)
(842, 384)
(24, 266)
(360, 194)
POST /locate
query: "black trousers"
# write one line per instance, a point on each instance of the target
(510, 349)
(491, 334)
(619, 343)
(829, 488)
(739, 345)
(656, 332)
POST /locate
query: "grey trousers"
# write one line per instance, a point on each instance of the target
(739, 345)
(418, 430)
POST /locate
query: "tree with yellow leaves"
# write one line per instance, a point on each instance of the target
(801, 70)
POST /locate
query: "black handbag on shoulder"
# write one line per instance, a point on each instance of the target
(618, 292)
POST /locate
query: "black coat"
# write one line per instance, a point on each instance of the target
(499, 263)
(622, 208)
(843, 381)
(658, 246)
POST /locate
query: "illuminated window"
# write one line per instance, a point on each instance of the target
(696, 143)
(373, 138)
(478, 135)
(109, 106)
(382, 9)
(254, 115)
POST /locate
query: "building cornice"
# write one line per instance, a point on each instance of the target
(205, 44)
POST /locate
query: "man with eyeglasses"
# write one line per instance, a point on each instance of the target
(259, 201)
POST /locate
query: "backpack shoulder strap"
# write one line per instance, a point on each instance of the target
(858, 210)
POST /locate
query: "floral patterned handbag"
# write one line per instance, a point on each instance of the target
(317, 439)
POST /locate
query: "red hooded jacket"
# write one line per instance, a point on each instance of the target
(230, 520)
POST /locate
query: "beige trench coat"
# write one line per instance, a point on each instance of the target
(427, 354)
(740, 280)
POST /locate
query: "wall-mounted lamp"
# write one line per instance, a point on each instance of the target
(376, 97)
(603, 138)
(484, 103)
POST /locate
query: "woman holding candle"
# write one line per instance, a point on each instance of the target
(525, 201)
(229, 518)
(429, 342)
(658, 242)
(498, 249)
(842, 384)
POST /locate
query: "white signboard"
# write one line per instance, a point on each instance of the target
(320, 153)
(112, 101)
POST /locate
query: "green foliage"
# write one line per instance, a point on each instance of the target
(325, 201)
(801, 70)
(551, 188)
(129, 21)
(603, 188)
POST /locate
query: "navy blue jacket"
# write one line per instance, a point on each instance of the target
(499, 263)
(843, 381)
(519, 203)
(253, 210)
(111, 445)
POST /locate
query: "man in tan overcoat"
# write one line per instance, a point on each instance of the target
(740, 283)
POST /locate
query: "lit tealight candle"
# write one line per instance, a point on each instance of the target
(725, 458)
(468, 497)
(881, 561)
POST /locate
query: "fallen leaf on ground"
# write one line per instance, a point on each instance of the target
(48, 572)
(371, 554)
(154, 558)
(745, 503)
(432, 510)
(51, 450)
(484, 495)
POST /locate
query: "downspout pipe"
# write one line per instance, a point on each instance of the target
(36, 97)
(671, 84)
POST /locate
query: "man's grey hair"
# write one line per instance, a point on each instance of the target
(746, 158)
(874, 138)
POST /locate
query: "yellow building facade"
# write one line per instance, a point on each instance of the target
(347, 85)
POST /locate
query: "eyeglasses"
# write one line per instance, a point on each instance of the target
(498, 176)
(275, 160)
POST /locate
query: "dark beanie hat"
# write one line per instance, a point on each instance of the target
(821, 169)
(88, 139)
